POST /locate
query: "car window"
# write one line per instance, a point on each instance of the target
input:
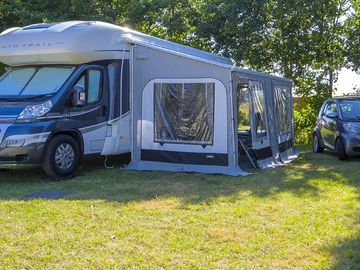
(350, 109)
(330, 108)
(81, 82)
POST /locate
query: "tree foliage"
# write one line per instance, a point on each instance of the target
(353, 34)
(305, 40)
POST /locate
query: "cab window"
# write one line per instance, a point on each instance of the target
(94, 88)
(92, 82)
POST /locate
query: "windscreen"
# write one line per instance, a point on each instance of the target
(184, 113)
(350, 110)
(33, 81)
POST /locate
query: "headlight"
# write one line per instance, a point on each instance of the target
(351, 128)
(35, 111)
(12, 143)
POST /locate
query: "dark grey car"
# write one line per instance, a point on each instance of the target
(338, 127)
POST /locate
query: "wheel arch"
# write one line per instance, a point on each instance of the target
(318, 133)
(75, 134)
(338, 137)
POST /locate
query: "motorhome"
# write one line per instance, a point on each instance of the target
(75, 89)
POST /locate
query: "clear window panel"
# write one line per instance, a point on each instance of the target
(184, 113)
(244, 119)
(259, 110)
(283, 109)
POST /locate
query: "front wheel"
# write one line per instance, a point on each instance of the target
(316, 144)
(340, 149)
(62, 156)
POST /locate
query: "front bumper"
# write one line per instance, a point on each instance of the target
(32, 154)
(33, 137)
(352, 144)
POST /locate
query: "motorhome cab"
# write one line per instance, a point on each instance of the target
(75, 89)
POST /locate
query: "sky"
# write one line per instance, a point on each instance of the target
(347, 81)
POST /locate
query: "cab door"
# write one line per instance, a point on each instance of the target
(91, 118)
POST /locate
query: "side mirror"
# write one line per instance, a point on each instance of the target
(332, 115)
(79, 96)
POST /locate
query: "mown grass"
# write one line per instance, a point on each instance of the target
(304, 215)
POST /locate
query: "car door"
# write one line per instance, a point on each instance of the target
(91, 118)
(328, 129)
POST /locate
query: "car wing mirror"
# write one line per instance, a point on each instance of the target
(79, 96)
(332, 115)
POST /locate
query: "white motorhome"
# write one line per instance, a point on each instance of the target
(77, 88)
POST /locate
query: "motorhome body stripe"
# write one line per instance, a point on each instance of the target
(84, 112)
(93, 128)
(30, 138)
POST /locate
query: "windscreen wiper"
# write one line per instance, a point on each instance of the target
(8, 99)
(38, 97)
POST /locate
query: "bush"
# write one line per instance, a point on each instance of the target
(306, 111)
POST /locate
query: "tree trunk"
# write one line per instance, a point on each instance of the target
(331, 80)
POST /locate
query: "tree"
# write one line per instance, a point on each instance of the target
(172, 20)
(232, 28)
(353, 43)
(305, 40)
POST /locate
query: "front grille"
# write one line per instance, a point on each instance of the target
(7, 159)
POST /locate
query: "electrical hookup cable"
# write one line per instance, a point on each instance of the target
(106, 165)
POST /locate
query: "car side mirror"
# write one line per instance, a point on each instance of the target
(332, 115)
(79, 96)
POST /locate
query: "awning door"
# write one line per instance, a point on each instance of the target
(252, 120)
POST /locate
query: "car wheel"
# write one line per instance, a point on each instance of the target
(62, 156)
(316, 144)
(340, 149)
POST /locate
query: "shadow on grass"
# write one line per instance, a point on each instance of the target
(347, 251)
(95, 182)
(347, 254)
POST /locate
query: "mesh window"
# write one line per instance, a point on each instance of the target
(282, 109)
(184, 113)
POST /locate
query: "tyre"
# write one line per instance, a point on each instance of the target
(316, 144)
(340, 149)
(62, 156)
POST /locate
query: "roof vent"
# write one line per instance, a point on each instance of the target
(39, 26)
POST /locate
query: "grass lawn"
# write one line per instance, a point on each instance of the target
(305, 215)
